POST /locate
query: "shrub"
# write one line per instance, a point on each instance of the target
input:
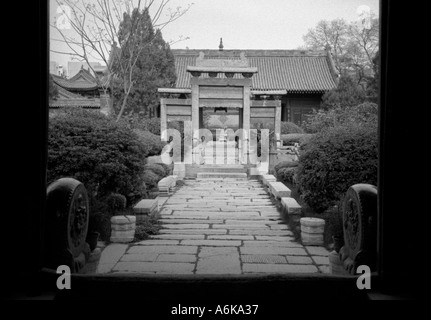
(286, 174)
(334, 160)
(152, 141)
(107, 157)
(365, 114)
(285, 164)
(147, 226)
(290, 127)
(116, 202)
(151, 179)
(142, 123)
(157, 169)
(292, 138)
(166, 168)
(347, 93)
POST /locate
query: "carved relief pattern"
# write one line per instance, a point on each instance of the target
(351, 223)
(78, 219)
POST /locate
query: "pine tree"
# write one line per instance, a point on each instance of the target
(155, 67)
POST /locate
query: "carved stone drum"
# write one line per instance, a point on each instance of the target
(67, 224)
(359, 227)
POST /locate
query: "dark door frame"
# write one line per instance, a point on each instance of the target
(399, 269)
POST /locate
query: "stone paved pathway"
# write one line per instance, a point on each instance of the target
(217, 226)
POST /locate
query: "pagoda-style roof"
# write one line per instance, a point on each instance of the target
(82, 81)
(290, 71)
(66, 98)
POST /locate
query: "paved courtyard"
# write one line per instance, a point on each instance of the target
(217, 226)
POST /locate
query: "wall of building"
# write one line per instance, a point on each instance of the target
(295, 107)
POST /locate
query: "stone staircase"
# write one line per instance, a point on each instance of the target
(232, 171)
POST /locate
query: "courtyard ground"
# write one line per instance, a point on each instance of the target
(217, 226)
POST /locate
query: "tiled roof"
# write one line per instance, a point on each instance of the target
(76, 103)
(69, 99)
(64, 94)
(83, 80)
(291, 70)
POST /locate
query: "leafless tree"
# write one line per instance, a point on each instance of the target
(353, 45)
(329, 34)
(95, 26)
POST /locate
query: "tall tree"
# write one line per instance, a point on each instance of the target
(372, 90)
(353, 45)
(95, 26)
(329, 34)
(154, 68)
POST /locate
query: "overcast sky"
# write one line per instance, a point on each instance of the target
(245, 24)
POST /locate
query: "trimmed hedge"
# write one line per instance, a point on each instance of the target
(292, 138)
(107, 157)
(151, 179)
(335, 159)
(290, 127)
(116, 202)
(285, 164)
(160, 169)
(152, 141)
(286, 174)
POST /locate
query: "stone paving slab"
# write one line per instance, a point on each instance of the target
(288, 243)
(186, 226)
(274, 250)
(278, 268)
(110, 256)
(179, 236)
(155, 267)
(157, 242)
(148, 257)
(211, 243)
(259, 232)
(176, 258)
(193, 231)
(319, 260)
(299, 260)
(230, 237)
(163, 249)
(317, 251)
(188, 221)
(217, 227)
(218, 261)
(262, 258)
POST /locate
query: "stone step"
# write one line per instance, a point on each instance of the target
(223, 169)
(236, 175)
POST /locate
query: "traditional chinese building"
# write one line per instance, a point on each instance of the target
(81, 90)
(293, 79)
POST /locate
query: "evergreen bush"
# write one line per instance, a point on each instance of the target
(290, 127)
(335, 159)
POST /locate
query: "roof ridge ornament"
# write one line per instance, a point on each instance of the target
(220, 46)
